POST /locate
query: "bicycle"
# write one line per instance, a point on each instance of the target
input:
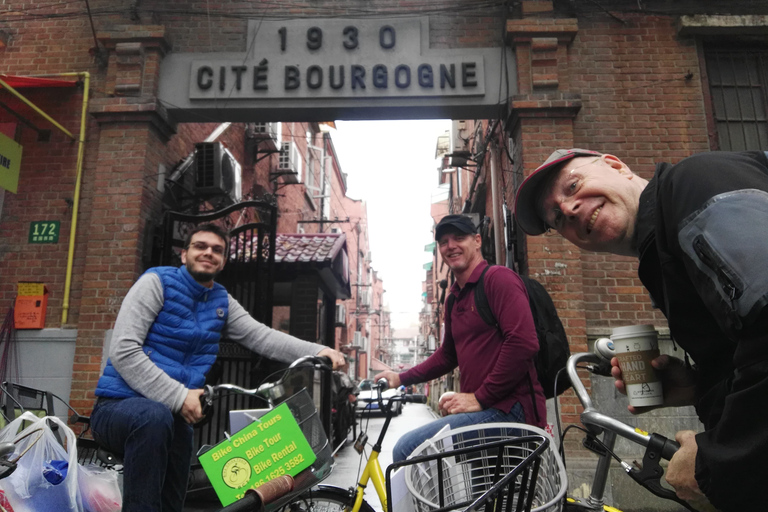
(330, 498)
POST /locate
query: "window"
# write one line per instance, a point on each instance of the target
(738, 81)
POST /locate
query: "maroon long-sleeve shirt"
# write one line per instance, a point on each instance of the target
(495, 364)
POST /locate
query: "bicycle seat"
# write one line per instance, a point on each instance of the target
(107, 457)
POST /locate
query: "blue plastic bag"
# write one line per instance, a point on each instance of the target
(55, 471)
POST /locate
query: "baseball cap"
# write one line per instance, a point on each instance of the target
(526, 209)
(460, 223)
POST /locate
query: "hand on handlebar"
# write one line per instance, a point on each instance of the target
(458, 403)
(191, 409)
(337, 358)
(680, 473)
(677, 380)
(392, 377)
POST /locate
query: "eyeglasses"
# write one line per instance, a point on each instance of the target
(202, 247)
(571, 188)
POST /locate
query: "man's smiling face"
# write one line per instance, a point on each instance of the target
(593, 203)
(204, 258)
(460, 250)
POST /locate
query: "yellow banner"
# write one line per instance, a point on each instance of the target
(10, 163)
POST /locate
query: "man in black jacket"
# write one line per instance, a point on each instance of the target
(700, 231)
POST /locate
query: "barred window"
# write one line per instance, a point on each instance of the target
(738, 81)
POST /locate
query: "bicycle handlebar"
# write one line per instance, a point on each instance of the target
(255, 499)
(591, 417)
(263, 392)
(656, 446)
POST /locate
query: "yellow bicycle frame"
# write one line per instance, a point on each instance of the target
(372, 472)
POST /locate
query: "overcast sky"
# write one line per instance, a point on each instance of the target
(391, 166)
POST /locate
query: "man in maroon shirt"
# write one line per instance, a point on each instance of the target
(498, 376)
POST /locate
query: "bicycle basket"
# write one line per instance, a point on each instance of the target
(479, 476)
(467, 477)
(305, 413)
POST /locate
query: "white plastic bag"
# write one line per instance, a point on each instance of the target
(27, 489)
(99, 489)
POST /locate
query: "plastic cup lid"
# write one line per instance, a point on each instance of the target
(633, 330)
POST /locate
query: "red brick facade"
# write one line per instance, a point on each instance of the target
(627, 84)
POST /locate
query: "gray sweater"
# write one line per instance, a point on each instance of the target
(141, 306)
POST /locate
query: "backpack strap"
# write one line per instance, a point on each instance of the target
(449, 305)
(481, 301)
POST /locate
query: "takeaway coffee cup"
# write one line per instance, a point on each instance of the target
(636, 346)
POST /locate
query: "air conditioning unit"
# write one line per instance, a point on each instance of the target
(460, 137)
(368, 257)
(357, 339)
(269, 134)
(364, 344)
(341, 315)
(217, 172)
(365, 297)
(289, 164)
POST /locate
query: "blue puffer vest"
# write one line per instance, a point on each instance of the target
(183, 341)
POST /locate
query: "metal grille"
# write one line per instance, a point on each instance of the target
(738, 80)
(205, 161)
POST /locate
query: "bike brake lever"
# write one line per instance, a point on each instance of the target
(650, 474)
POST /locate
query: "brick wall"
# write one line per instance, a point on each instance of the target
(587, 82)
(637, 104)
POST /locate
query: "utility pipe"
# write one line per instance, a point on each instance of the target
(35, 107)
(75, 207)
(498, 235)
(80, 156)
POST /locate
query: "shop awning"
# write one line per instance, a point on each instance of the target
(20, 82)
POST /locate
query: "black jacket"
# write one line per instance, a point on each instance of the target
(702, 237)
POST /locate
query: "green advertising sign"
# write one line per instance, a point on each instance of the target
(265, 449)
(44, 232)
(10, 163)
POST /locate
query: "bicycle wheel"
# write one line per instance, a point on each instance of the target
(324, 500)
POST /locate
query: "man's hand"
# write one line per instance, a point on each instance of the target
(680, 473)
(392, 377)
(192, 410)
(459, 402)
(337, 358)
(677, 380)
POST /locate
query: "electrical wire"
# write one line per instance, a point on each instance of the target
(270, 10)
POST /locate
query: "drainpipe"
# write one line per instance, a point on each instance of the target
(76, 203)
(80, 154)
(498, 223)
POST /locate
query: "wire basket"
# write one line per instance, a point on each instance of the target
(468, 476)
(305, 413)
(477, 477)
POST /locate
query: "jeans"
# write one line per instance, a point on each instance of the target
(410, 441)
(156, 446)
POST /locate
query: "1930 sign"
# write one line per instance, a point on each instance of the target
(340, 58)
(319, 69)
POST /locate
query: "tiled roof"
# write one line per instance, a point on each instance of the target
(308, 248)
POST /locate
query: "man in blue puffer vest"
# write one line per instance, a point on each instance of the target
(165, 340)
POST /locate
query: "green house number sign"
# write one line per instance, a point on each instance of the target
(263, 450)
(44, 232)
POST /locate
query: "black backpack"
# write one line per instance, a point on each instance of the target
(553, 343)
